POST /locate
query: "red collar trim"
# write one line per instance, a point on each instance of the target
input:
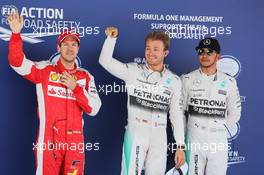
(62, 68)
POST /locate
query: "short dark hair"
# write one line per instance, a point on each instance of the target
(159, 35)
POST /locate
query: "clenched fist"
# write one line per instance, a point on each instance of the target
(111, 31)
(15, 22)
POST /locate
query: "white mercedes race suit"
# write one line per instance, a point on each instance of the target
(213, 103)
(151, 95)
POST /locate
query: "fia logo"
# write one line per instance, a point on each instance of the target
(139, 60)
(8, 9)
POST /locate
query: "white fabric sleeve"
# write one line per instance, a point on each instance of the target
(112, 65)
(233, 104)
(93, 97)
(177, 114)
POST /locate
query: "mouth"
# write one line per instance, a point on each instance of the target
(205, 60)
(69, 53)
(151, 57)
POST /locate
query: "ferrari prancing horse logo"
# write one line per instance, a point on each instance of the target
(73, 173)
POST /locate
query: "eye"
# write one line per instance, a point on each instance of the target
(75, 44)
(210, 52)
(200, 51)
(64, 44)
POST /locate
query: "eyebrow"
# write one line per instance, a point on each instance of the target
(154, 46)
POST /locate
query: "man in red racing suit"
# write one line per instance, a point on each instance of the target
(64, 91)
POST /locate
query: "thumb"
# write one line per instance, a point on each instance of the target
(21, 19)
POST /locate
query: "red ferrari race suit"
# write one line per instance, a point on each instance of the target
(60, 142)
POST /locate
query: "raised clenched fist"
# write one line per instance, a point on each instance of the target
(15, 22)
(111, 31)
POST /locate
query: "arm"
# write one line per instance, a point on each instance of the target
(233, 104)
(16, 57)
(177, 114)
(106, 59)
(177, 121)
(185, 100)
(87, 97)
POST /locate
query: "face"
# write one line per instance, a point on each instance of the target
(208, 58)
(155, 52)
(69, 49)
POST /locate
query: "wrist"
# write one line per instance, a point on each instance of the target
(180, 147)
(77, 89)
(16, 32)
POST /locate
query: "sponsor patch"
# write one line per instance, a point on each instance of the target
(197, 82)
(167, 92)
(168, 81)
(74, 77)
(222, 92)
(207, 112)
(196, 167)
(73, 173)
(137, 160)
(222, 84)
(148, 104)
(60, 92)
(54, 77)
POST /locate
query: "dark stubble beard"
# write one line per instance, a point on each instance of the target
(208, 66)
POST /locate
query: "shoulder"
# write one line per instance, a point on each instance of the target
(189, 75)
(86, 73)
(135, 65)
(173, 74)
(43, 64)
(226, 77)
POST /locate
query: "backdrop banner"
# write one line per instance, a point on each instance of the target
(238, 25)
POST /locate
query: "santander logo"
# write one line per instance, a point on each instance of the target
(60, 92)
(63, 93)
(52, 91)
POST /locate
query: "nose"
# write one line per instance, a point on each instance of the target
(204, 54)
(70, 47)
(150, 52)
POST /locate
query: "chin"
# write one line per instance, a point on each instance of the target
(151, 61)
(70, 60)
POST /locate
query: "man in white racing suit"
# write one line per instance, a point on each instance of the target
(153, 91)
(212, 101)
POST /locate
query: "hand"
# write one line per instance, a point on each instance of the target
(111, 31)
(15, 22)
(179, 158)
(67, 80)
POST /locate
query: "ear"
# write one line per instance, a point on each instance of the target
(58, 48)
(218, 56)
(166, 53)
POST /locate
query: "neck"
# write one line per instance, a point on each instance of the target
(209, 70)
(158, 68)
(67, 65)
